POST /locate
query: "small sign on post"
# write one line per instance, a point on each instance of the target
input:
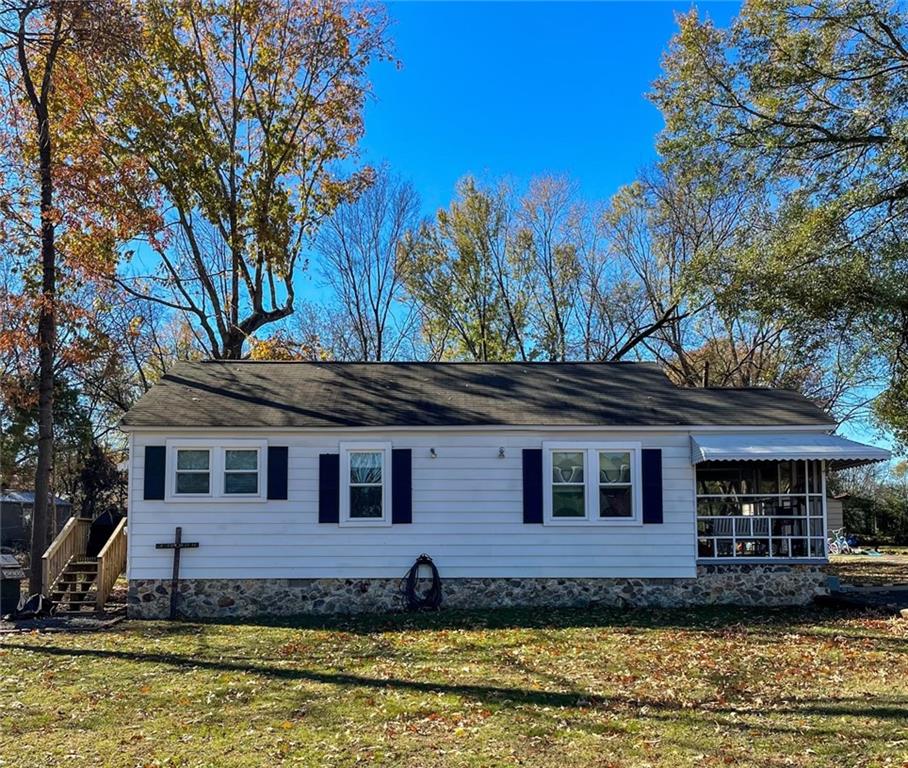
(176, 545)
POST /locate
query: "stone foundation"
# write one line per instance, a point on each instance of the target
(726, 584)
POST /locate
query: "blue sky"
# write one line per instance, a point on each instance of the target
(519, 89)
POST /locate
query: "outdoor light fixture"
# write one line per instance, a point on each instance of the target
(432, 453)
(501, 453)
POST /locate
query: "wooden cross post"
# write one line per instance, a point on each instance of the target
(176, 545)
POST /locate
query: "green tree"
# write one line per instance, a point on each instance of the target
(875, 501)
(234, 118)
(457, 269)
(47, 46)
(805, 103)
(548, 244)
(677, 233)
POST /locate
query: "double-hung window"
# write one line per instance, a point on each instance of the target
(616, 491)
(216, 470)
(241, 471)
(365, 484)
(568, 484)
(193, 474)
(590, 483)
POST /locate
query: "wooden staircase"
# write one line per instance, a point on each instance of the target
(76, 582)
(76, 587)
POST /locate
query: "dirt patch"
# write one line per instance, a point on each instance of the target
(87, 621)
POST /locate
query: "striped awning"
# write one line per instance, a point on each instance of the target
(837, 451)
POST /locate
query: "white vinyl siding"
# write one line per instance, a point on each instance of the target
(467, 514)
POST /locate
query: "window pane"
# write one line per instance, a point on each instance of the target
(568, 502)
(799, 548)
(241, 482)
(792, 506)
(706, 527)
(365, 502)
(784, 477)
(614, 467)
(192, 482)
(718, 480)
(780, 548)
(814, 477)
(241, 460)
(753, 548)
(722, 526)
(709, 507)
(365, 467)
(793, 477)
(789, 527)
(192, 459)
(767, 477)
(615, 502)
(567, 467)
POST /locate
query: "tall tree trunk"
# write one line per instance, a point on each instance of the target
(232, 345)
(46, 342)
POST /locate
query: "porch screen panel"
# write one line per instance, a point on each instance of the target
(761, 509)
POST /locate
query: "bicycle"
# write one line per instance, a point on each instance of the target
(838, 544)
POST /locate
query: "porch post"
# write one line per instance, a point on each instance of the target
(825, 520)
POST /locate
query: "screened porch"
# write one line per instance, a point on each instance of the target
(763, 496)
(761, 509)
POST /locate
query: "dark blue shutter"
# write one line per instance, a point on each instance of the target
(329, 488)
(532, 485)
(155, 471)
(651, 461)
(401, 486)
(277, 471)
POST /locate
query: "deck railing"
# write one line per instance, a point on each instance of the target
(70, 543)
(111, 562)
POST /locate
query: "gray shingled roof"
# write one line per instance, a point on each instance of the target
(278, 394)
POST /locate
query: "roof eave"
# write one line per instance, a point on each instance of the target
(800, 427)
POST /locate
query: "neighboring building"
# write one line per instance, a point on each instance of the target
(835, 515)
(16, 508)
(314, 486)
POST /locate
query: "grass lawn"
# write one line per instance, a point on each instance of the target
(891, 568)
(572, 688)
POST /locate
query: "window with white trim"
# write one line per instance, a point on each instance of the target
(208, 469)
(596, 483)
(568, 484)
(761, 509)
(241, 471)
(616, 491)
(365, 484)
(193, 472)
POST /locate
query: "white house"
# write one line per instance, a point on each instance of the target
(312, 487)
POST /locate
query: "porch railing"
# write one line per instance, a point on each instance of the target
(111, 562)
(70, 543)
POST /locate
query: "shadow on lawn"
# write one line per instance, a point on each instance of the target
(885, 707)
(625, 620)
(489, 693)
(881, 708)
